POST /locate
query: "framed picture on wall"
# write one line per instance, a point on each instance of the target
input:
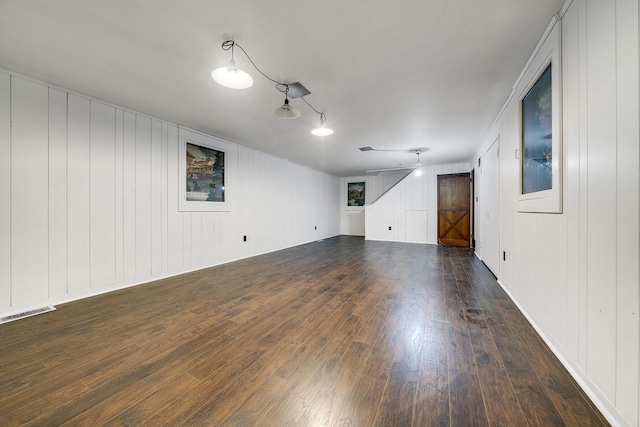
(203, 172)
(539, 154)
(356, 193)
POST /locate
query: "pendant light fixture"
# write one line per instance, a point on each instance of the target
(418, 167)
(231, 76)
(322, 130)
(286, 111)
(235, 78)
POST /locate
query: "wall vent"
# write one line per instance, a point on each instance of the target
(28, 313)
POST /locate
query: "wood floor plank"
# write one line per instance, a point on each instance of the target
(315, 379)
(383, 354)
(49, 402)
(315, 341)
(202, 345)
(432, 393)
(13, 399)
(182, 408)
(398, 398)
(502, 405)
(343, 332)
(537, 407)
(466, 401)
(122, 336)
(256, 378)
(345, 374)
(247, 339)
(112, 406)
(248, 414)
(231, 366)
(362, 404)
(119, 391)
(146, 407)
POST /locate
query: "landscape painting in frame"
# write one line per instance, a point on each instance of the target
(205, 174)
(355, 193)
(537, 138)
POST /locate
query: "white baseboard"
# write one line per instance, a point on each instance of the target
(607, 409)
(124, 285)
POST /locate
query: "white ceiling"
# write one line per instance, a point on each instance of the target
(396, 75)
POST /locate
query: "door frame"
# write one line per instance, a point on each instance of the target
(469, 205)
(472, 208)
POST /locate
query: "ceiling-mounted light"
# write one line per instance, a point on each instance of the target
(322, 130)
(286, 111)
(235, 78)
(231, 76)
(418, 167)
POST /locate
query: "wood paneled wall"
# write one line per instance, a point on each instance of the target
(409, 208)
(352, 219)
(89, 200)
(576, 274)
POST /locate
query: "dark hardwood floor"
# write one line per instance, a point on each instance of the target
(342, 332)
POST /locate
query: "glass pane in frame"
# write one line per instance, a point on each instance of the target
(537, 138)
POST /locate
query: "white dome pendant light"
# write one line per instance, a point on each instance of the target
(286, 111)
(231, 76)
(322, 130)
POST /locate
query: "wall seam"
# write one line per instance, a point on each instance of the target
(91, 102)
(617, 181)
(48, 192)
(66, 191)
(115, 194)
(638, 219)
(10, 192)
(135, 192)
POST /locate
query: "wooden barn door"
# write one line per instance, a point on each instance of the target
(454, 200)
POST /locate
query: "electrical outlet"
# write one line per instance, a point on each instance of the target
(389, 228)
(315, 227)
(504, 255)
(245, 238)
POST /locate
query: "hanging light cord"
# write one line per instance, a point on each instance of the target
(280, 86)
(311, 106)
(229, 44)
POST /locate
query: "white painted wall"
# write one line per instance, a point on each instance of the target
(352, 217)
(89, 200)
(576, 274)
(409, 208)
